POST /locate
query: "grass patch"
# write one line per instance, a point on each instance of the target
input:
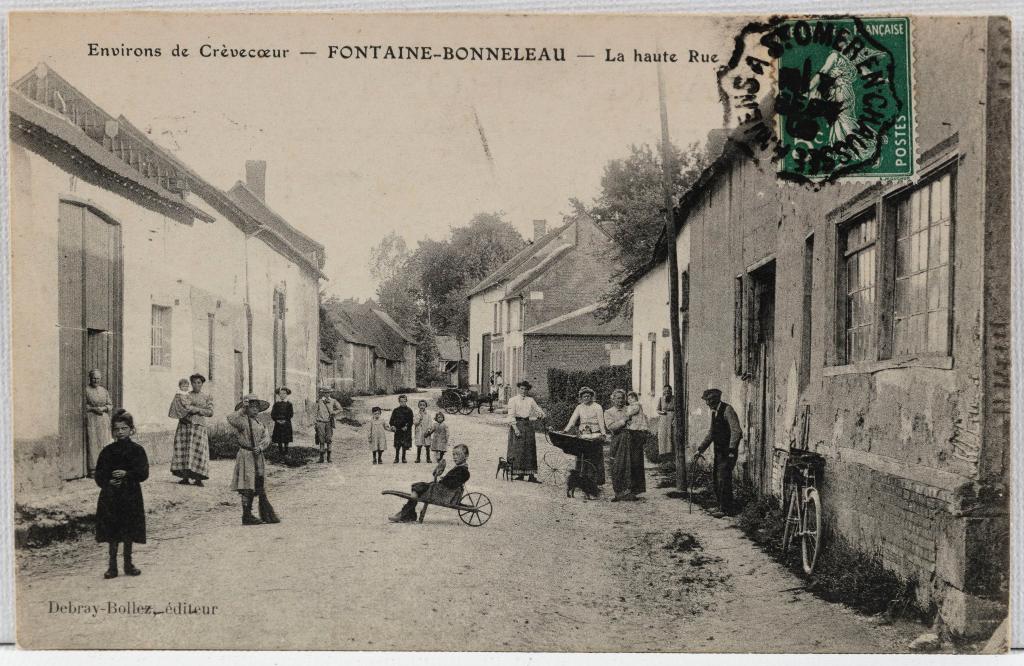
(297, 456)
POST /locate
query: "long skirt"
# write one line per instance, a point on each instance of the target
(594, 456)
(97, 435)
(522, 450)
(637, 477)
(665, 428)
(191, 458)
(627, 454)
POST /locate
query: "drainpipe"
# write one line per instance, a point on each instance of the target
(248, 306)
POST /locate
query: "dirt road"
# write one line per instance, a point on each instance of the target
(547, 573)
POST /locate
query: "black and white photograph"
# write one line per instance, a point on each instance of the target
(676, 333)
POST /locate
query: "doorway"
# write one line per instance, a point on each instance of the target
(89, 304)
(762, 421)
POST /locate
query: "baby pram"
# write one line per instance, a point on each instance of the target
(588, 450)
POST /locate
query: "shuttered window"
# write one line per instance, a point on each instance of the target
(160, 337)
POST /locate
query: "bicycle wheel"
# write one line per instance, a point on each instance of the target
(792, 524)
(810, 543)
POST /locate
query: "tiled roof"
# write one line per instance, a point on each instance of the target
(363, 324)
(254, 206)
(583, 321)
(448, 348)
(510, 267)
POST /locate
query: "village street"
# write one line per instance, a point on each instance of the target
(547, 573)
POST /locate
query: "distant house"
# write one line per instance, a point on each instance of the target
(453, 360)
(536, 311)
(374, 352)
(140, 268)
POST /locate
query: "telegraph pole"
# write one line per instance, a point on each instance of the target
(671, 233)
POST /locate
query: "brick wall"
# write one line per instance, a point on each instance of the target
(565, 352)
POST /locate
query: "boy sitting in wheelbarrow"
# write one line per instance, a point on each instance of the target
(441, 489)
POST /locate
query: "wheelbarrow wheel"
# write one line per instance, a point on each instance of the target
(475, 509)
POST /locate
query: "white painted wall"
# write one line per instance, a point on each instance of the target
(187, 268)
(651, 316)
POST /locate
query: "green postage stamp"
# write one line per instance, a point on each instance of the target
(843, 103)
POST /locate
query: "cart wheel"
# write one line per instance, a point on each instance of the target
(475, 509)
(450, 402)
(466, 407)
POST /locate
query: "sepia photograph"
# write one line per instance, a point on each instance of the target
(675, 333)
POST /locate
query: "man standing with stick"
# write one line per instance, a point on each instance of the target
(725, 434)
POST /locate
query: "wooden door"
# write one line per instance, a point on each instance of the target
(89, 302)
(485, 364)
(762, 407)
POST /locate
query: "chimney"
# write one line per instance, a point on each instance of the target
(540, 227)
(256, 177)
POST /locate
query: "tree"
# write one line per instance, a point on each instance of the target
(630, 208)
(426, 291)
(397, 288)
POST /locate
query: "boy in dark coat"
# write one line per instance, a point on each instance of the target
(441, 489)
(120, 515)
(401, 423)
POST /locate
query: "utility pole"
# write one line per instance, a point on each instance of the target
(671, 233)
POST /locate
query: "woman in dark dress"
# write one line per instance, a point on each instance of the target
(120, 515)
(282, 414)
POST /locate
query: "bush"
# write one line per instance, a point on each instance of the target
(406, 389)
(558, 413)
(344, 398)
(563, 386)
(380, 391)
(223, 443)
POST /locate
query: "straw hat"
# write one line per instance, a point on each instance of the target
(262, 405)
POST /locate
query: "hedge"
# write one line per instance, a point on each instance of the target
(563, 386)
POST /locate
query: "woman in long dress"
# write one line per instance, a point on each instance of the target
(587, 421)
(97, 419)
(191, 458)
(523, 411)
(617, 418)
(281, 414)
(666, 425)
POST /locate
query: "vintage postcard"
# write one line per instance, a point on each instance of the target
(652, 327)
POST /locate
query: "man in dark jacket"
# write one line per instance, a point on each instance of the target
(401, 424)
(442, 489)
(725, 434)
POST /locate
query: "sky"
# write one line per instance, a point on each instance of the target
(357, 149)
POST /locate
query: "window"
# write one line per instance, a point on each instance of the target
(684, 291)
(921, 304)
(495, 324)
(640, 368)
(522, 313)
(894, 282)
(859, 250)
(160, 337)
(508, 316)
(210, 327)
(654, 366)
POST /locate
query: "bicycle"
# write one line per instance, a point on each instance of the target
(803, 518)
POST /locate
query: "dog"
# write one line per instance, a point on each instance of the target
(504, 468)
(581, 482)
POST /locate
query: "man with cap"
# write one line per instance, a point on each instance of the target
(324, 412)
(725, 434)
(250, 466)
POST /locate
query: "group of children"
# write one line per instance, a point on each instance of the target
(429, 433)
